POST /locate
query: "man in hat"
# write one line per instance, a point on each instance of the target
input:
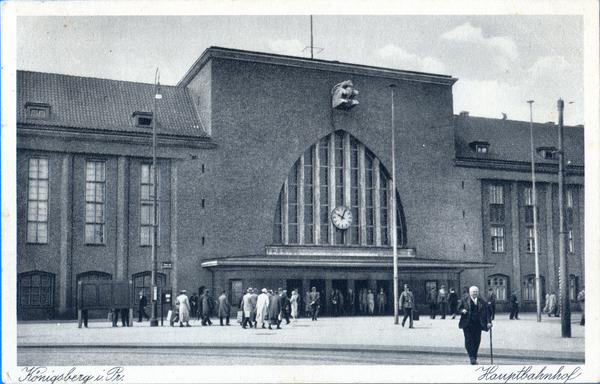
(275, 309)
(142, 307)
(474, 318)
(285, 306)
(224, 308)
(253, 301)
(262, 305)
(207, 307)
(247, 308)
(315, 303)
(407, 304)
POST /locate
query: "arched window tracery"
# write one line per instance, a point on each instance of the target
(337, 170)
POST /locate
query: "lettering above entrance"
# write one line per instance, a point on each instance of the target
(342, 96)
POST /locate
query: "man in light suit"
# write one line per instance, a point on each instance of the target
(474, 318)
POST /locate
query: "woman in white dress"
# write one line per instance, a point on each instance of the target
(184, 309)
(294, 304)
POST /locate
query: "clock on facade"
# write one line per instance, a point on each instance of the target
(341, 217)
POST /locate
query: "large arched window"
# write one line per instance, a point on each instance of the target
(337, 171)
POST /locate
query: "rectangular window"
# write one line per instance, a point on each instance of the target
(95, 202)
(146, 205)
(530, 240)
(496, 194)
(569, 198)
(528, 196)
(496, 203)
(35, 290)
(37, 201)
(570, 246)
(497, 239)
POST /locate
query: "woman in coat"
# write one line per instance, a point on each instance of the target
(184, 309)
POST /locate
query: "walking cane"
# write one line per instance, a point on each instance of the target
(491, 350)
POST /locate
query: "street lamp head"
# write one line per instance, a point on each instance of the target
(530, 101)
(392, 86)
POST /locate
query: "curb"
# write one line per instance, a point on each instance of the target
(571, 358)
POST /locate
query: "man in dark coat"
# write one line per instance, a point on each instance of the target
(474, 318)
(315, 303)
(350, 300)
(432, 300)
(224, 308)
(194, 305)
(452, 302)
(207, 308)
(514, 306)
(492, 303)
(285, 307)
(142, 307)
(274, 309)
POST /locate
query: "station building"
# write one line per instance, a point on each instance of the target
(276, 171)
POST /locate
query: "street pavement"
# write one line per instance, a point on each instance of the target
(524, 338)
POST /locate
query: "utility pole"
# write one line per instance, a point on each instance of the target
(538, 291)
(154, 293)
(394, 230)
(563, 275)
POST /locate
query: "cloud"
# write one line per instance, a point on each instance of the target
(287, 47)
(393, 56)
(466, 33)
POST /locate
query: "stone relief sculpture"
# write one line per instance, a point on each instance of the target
(342, 96)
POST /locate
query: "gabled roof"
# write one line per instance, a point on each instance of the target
(107, 105)
(510, 140)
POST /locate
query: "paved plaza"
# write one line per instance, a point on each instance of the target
(511, 338)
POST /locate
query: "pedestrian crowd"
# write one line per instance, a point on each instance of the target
(270, 308)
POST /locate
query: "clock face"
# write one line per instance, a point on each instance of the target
(341, 217)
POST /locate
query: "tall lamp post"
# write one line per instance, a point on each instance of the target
(563, 275)
(394, 230)
(538, 292)
(154, 315)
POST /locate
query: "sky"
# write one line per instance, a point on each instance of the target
(500, 61)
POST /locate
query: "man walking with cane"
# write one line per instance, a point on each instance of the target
(474, 318)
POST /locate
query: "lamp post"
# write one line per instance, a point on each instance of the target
(394, 231)
(565, 310)
(538, 292)
(157, 96)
